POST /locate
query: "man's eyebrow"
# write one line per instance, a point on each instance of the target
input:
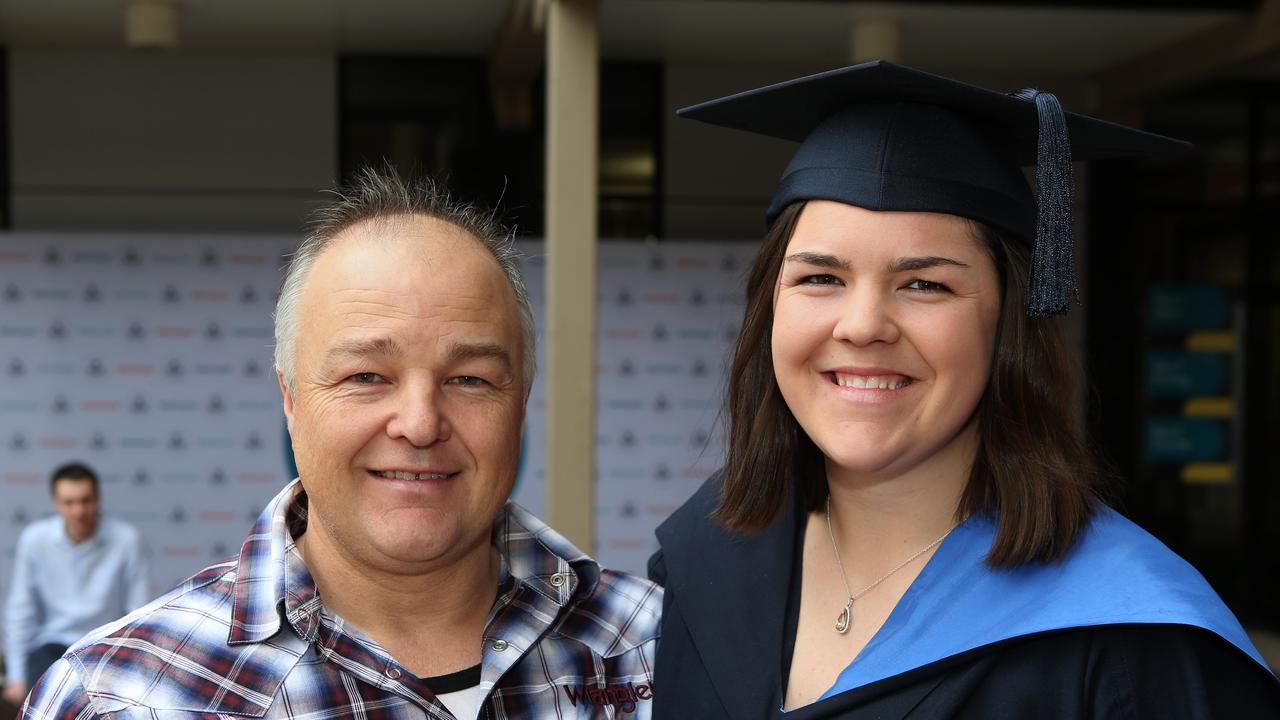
(909, 264)
(459, 352)
(385, 347)
(821, 260)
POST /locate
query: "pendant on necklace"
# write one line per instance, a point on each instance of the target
(846, 616)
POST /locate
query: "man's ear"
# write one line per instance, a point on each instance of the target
(286, 397)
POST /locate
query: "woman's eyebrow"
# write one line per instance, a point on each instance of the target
(909, 264)
(821, 260)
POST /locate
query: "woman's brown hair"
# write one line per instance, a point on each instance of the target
(1033, 471)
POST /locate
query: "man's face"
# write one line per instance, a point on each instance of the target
(408, 399)
(77, 503)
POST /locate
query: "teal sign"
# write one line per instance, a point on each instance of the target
(1176, 374)
(1175, 308)
(1180, 439)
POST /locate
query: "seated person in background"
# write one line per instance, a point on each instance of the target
(392, 579)
(73, 572)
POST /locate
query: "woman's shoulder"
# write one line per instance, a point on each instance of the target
(1139, 671)
(693, 515)
(1131, 671)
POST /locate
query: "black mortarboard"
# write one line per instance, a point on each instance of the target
(887, 137)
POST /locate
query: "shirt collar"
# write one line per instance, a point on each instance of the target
(60, 535)
(273, 584)
(542, 558)
(270, 575)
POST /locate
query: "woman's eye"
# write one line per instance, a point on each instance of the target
(819, 280)
(927, 286)
(366, 378)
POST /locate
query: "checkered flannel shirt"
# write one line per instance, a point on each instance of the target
(251, 638)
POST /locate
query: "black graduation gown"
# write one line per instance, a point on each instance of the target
(728, 629)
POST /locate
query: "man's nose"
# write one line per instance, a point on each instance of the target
(419, 417)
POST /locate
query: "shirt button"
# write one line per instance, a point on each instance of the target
(499, 645)
(557, 579)
(393, 673)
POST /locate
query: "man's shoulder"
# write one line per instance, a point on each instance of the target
(40, 530)
(119, 531)
(173, 654)
(622, 612)
(203, 600)
(619, 612)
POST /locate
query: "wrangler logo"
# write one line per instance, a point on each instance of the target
(624, 697)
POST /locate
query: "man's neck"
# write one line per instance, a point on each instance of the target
(442, 609)
(77, 538)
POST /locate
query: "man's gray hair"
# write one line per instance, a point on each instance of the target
(381, 193)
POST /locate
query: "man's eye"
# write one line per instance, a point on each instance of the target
(366, 378)
(927, 286)
(470, 381)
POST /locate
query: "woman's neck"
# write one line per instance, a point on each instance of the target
(884, 513)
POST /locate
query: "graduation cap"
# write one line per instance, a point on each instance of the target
(886, 137)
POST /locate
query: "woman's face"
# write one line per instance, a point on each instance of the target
(883, 333)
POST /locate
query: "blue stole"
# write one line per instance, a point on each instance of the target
(1116, 573)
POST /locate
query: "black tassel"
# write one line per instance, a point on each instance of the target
(1053, 264)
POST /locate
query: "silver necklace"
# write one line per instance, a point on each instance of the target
(846, 615)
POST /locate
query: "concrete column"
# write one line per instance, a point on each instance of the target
(573, 59)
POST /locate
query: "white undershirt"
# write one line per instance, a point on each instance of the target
(464, 704)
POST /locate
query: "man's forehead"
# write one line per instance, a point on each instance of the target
(405, 226)
(73, 487)
(399, 246)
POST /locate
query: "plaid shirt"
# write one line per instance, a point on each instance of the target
(251, 637)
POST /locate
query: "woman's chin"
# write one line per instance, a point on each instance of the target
(863, 464)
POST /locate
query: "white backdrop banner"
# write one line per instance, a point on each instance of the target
(149, 358)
